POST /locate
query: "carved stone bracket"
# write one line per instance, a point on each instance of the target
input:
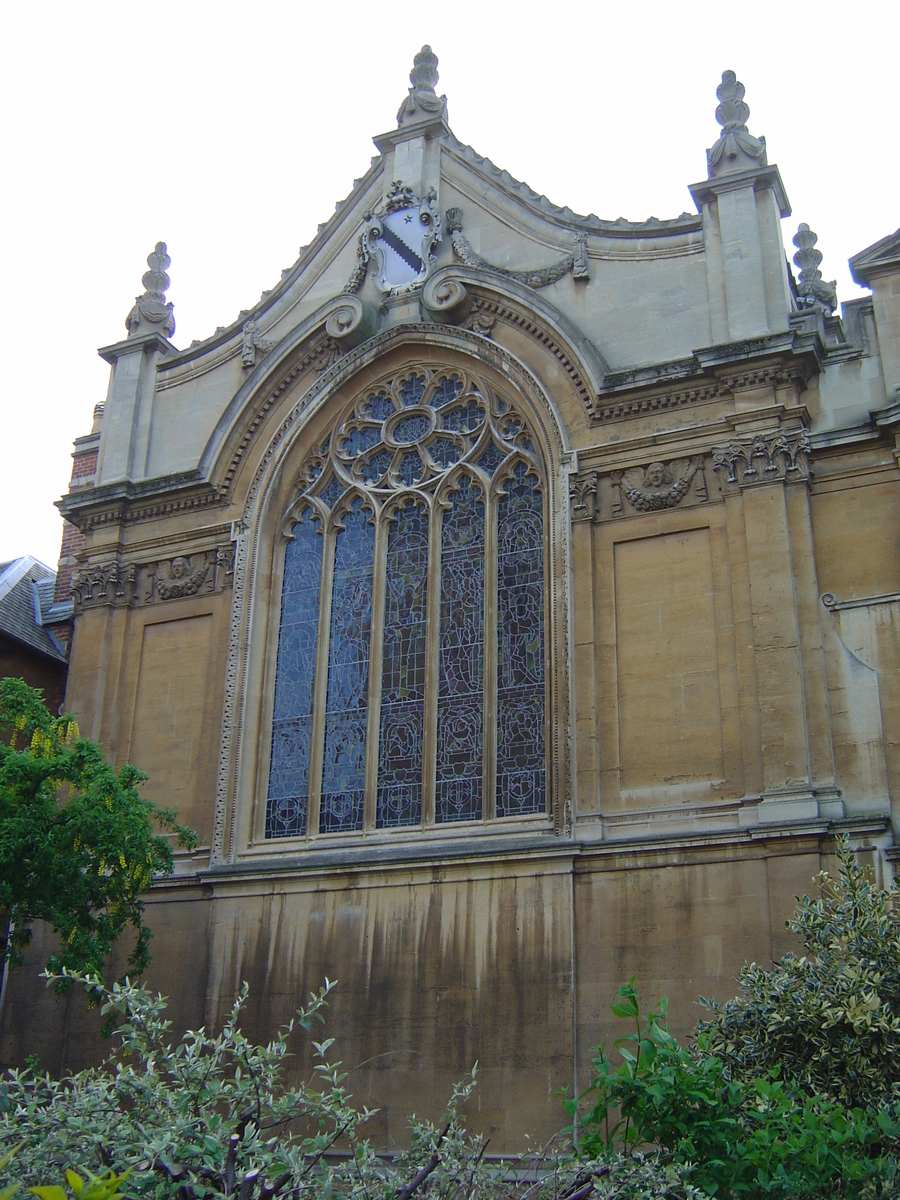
(576, 262)
(133, 585)
(767, 458)
(252, 343)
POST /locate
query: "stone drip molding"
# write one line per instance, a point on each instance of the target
(657, 487)
(537, 277)
(766, 458)
(135, 585)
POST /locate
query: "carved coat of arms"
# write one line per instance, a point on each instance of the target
(400, 240)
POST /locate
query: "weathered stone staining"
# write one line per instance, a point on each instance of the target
(509, 598)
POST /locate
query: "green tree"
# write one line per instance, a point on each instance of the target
(78, 844)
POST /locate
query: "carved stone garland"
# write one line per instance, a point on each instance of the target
(538, 277)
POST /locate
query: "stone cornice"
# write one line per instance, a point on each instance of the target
(145, 343)
(708, 374)
(123, 503)
(759, 178)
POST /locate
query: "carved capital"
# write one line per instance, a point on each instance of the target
(766, 458)
(583, 494)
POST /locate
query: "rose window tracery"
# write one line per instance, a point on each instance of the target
(410, 670)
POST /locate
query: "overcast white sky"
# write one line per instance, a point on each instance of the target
(230, 130)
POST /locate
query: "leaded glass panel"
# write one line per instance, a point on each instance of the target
(346, 706)
(294, 681)
(458, 785)
(520, 647)
(402, 728)
(410, 432)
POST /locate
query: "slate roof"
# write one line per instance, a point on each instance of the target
(26, 602)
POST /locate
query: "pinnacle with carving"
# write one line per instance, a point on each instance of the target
(422, 101)
(813, 291)
(737, 149)
(152, 313)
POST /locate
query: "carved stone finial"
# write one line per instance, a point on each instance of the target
(737, 149)
(422, 100)
(814, 292)
(152, 313)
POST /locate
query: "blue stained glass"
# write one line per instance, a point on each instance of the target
(332, 491)
(294, 682)
(412, 390)
(410, 468)
(377, 465)
(378, 406)
(464, 418)
(443, 451)
(491, 458)
(403, 671)
(445, 390)
(520, 647)
(346, 705)
(359, 439)
(458, 784)
(411, 428)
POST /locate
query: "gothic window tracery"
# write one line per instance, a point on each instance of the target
(411, 661)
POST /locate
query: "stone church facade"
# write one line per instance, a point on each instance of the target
(510, 601)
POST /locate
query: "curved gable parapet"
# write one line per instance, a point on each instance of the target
(563, 215)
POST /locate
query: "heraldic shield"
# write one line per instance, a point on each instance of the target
(401, 239)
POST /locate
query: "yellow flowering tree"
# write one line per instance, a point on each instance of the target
(78, 842)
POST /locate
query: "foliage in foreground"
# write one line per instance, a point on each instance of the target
(829, 1019)
(77, 841)
(210, 1116)
(792, 1088)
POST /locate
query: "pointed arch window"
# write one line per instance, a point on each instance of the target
(410, 686)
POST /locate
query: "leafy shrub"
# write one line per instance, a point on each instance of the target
(210, 1116)
(828, 1019)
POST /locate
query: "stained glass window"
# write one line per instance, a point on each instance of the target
(403, 671)
(520, 646)
(346, 708)
(421, 478)
(460, 748)
(294, 681)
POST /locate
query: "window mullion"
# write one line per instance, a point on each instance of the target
(317, 747)
(376, 669)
